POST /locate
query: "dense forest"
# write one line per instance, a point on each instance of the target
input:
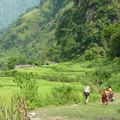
(59, 30)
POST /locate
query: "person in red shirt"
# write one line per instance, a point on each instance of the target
(104, 97)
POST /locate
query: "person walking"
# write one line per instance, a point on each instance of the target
(86, 94)
(104, 97)
(111, 94)
(107, 92)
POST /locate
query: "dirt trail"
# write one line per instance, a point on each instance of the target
(77, 112)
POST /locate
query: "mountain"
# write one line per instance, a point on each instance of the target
(11, 9)
(63, 30)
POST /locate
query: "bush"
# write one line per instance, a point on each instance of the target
(114, 81)
(115, 44)
(65, 95)
(94, 52)
(29, 88)
(59, 77)
(95, 97)
(103, 74)
(8, 73)
(89, 55)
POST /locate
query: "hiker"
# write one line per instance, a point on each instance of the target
(87, 94)
(111, 94)
(107, 92)
(104, 97)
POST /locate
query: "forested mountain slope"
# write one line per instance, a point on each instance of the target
(66, 29)
(11, 9)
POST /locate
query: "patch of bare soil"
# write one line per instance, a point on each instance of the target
(56, 118)
(106, 118)
(43, 114)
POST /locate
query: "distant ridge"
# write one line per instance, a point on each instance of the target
(11, 9)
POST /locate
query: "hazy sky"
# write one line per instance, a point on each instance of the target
(11, 9)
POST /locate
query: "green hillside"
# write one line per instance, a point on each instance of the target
(64, 30)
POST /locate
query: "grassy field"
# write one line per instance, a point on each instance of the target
(49, 77)
(79, 112)
(8, 88)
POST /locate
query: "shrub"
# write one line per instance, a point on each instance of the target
(114, 81)
(89, 55)
(95, 97)
(66, 95)
(59, 77)
(103, 74)
(94, 52)
(115, 44)
(12, 61)
(29, 88)
(8, 73)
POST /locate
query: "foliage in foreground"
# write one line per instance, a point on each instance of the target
(28, 86)
(17, 110)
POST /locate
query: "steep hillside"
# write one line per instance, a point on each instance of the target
(63, 30)
(31, 32)
(11, 9)
(89, 25)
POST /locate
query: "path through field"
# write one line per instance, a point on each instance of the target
(94, 111)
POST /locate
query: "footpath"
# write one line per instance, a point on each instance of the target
(91, 111)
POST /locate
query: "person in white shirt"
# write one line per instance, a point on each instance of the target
(87, 94)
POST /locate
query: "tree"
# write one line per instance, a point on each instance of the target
(115, 44)
(11, 62)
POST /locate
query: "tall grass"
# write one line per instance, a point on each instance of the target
(64, 79)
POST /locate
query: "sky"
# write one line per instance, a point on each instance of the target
(11, 9)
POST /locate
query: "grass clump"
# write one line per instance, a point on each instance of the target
(66, 95)
(59, 77)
